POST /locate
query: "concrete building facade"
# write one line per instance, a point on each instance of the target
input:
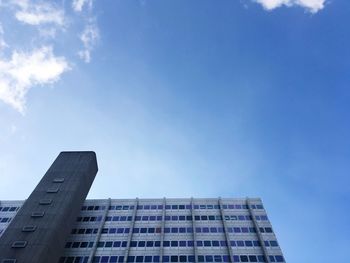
(161, 230)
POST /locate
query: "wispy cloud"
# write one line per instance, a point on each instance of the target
(37, 13)
(25, 70)
(30, 63)
(2, 40)
(312, 6)
(78, 5)
(89, 38)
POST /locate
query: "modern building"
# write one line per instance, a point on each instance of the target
(149, 230)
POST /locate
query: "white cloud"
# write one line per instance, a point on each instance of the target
(38, 65)
(2, 40)
(26, 70)
(89, 37)
(39, 13)
(78, 5)
(312, 6)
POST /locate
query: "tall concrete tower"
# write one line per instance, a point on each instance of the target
(38, 232)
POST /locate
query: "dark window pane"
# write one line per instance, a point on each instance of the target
(183, 258)
(209, 258)
(174, 244)
(244, 258)
(149, 244)
(253, 258)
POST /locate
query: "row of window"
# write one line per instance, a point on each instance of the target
(187, 258)
(81, 231)
(185, 218)
(89, 219)
(76, 260)
(172, 218)
(5, 219)
(8, 208)
(152, 230)
(97, 208)
(82, 244)
(190, 243)
(173, 230)
(173, 258)
(174, 243)
(168, 207)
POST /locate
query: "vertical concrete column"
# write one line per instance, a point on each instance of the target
(132, 224)
(195, 248)
(162, 234)
(256, 225)
(38, 232)
(227, 236)
(99, 232)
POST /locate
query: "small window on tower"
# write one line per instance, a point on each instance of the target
(45, 201)
(58, 180)
(52, 190)
(19, 244)
(28, 228)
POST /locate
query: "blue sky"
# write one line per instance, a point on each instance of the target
(187, 98)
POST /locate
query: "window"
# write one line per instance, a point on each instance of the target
(279, 258)
(248, 244)
(174, 243)
(273, 243)
(28, 228)
(240, 243)
(19, 244)
(166, 243)
(244, 229)
(52, 190)
(100, 244)
(75, 244)
(244, 258)
(83, 244)
(207, 243)
(149, 244)
(215, 243)
(183, 258)
(58, 180)
(37, 214)
(253, 258)
(209, 258)
(217, 258)
(142, 244)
